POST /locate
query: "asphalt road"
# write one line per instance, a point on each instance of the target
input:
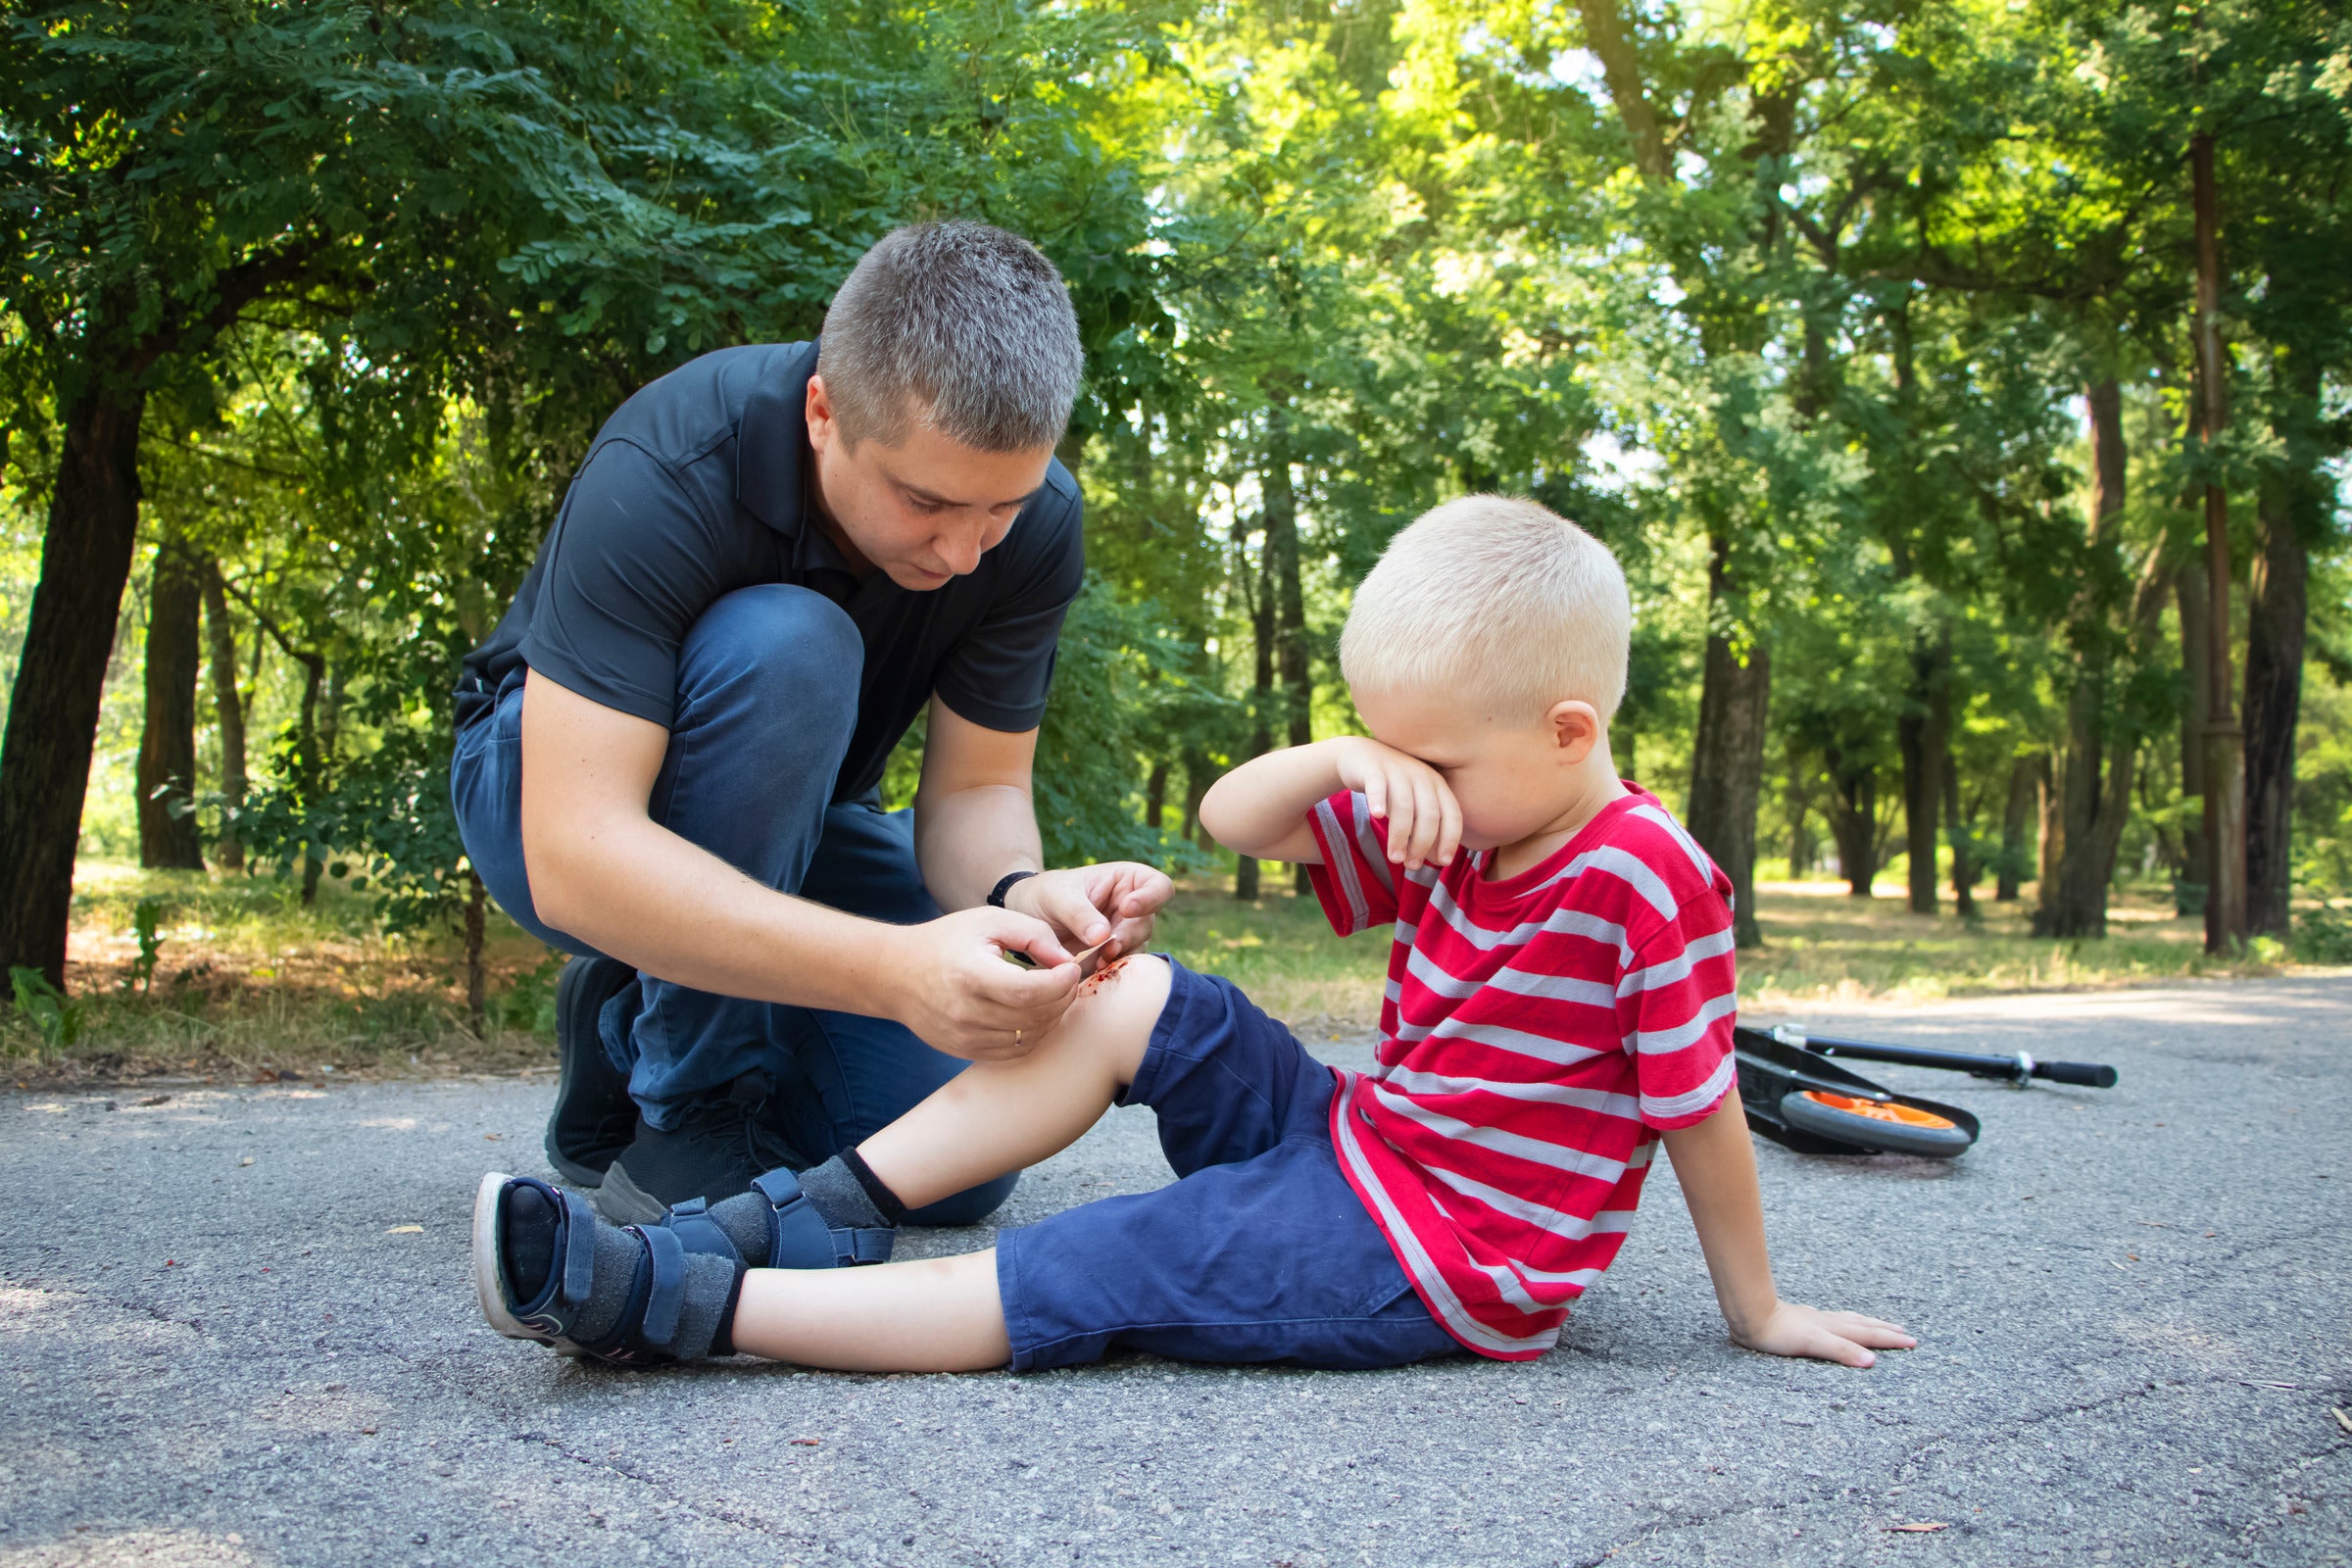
(236, 1327)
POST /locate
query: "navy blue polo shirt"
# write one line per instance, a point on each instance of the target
(700, 485)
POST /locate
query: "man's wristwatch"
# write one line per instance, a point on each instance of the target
(996, 895)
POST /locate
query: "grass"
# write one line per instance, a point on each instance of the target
(1820, 945)
(251, 984)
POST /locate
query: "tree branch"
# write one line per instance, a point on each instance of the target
(1604, 35)
(238, 287)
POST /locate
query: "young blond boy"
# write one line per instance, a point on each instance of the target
(1560, 1002)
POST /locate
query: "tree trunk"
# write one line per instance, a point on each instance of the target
(1853, 812)
(1289, 594)
(478, 1013)
(229, 708)
(61, 675)
(2025, 785)
(1156, 796)
(1923, 736)
(1727, 756)
(1196, 779)
(2275, 627)
(2226, 907)
(2090, 787)
(1800, 801)
(1262, 734)
(166, 766)
(2196, 645)
(2292, 509)
(2052, 828)
(310, 767)
(1956, 825)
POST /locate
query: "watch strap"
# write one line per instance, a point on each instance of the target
(996, 895)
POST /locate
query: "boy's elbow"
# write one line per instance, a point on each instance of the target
(1213, 810)
(1219, 818)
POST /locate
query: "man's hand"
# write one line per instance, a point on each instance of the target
(960, 996)
(1846, 1337)
(1111, 902)
(1425, 821)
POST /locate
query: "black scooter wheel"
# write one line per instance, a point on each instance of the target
(1889, 1127)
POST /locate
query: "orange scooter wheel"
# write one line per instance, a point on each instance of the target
(1885, 1125)
(1876, 1110)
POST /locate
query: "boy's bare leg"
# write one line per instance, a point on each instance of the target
(938, 1314)
(996, 1116)
(944, 1314)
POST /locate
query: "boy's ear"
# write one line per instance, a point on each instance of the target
(1575, 728)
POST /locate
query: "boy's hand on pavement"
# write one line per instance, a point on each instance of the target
(958, 993)
(1425, 821)
(1111, 902)
(1845, 1336)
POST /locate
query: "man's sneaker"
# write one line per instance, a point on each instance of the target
(594, 1118)
(718, 1146)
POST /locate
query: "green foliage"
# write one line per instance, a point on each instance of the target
(146, 921)
(2323, 934)
(55, 1019)
(1806, 352)
(1117, 673)
(528, 1005)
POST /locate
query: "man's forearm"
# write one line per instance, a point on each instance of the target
(638, 893)
(965, 839)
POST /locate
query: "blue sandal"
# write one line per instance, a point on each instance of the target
(547, 1314)
(798, 1235)
(646, 1332)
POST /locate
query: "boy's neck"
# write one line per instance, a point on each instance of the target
(1596, 786)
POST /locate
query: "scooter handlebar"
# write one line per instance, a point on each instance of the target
(2089, 1074)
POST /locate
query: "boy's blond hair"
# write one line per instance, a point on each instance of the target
(1497, 598)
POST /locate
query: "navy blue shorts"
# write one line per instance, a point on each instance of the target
(1259, 1252)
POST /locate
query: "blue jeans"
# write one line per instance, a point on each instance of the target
(768, 696)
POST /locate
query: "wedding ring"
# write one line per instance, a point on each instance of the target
(1016, 1040)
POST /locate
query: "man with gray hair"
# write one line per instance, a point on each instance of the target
(669, 753)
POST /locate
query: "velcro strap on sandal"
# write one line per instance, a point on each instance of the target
(864, 1244)
(698, 1232)
(579, 1249)
(658, 1328)
(798, 1235)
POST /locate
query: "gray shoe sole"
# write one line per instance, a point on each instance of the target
(624, 1202)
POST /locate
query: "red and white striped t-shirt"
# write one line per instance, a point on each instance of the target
(1539, 1033)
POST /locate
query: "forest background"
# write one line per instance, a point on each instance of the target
(1965, 385)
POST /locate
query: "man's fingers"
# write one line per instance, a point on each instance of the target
(1151, 890)
(1025, 991)
(1016, 932)
(1074, 908)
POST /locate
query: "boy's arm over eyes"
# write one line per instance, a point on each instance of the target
(1716, 1165)
(1260, 808)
